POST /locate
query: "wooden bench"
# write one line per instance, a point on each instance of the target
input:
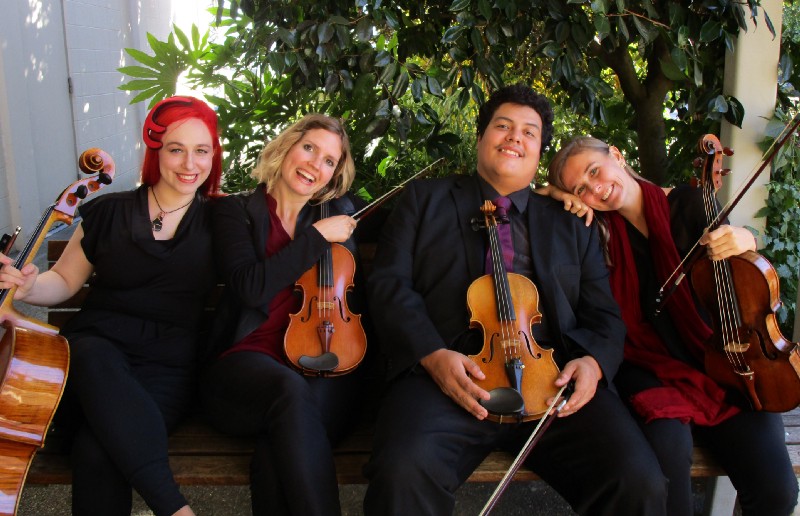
(201, 456)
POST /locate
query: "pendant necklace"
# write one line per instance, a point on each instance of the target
(156, 223)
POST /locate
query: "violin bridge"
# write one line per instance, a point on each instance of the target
(325, 305)
(735, 347)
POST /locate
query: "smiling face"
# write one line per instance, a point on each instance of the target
(510, 147)
(310, 163)
(599, 179)
(185, 159)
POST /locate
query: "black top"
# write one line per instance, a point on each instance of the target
(687, 219)
(136, 275)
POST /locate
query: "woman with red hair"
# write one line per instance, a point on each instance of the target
(147, 254)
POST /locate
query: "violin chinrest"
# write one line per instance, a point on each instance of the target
(504, 401)
(325, 362)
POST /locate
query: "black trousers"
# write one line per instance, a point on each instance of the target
(750, 446)
(426, 446)
(126, 392)
(296, 420)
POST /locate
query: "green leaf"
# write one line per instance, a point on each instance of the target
(139, 71)
(434, 87)
(400, 85)
(671, 71)
(459, 5)
(485, 8)
(325, 32)
(143, 58)
(710, 31)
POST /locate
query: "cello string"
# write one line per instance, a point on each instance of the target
(726, 329)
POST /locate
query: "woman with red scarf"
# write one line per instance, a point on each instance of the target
(648, 229)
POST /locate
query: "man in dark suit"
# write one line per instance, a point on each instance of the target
(432, 430)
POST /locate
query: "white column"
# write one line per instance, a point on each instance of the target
(751, 75)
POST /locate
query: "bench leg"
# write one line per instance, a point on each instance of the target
(720, 497)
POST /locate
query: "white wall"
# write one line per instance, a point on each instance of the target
(36, 139)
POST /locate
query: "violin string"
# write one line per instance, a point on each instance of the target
(498, 272)
(325, 268)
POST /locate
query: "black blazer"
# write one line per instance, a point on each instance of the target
(428, 255)
(241, 228)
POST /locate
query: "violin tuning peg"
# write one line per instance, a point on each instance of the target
(104, 178)
(727, 151)
(725, 172)
(697, 162)
(81, 192)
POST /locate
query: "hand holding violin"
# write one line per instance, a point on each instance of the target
(727, 241)
(338, 228)
(452, 372)
(586, 373)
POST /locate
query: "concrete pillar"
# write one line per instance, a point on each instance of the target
(751, 75)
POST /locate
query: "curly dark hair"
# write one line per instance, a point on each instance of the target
(524, 96)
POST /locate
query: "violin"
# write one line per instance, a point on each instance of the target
(741, 294)
(34, 359)
(520, 375)
(324, 337)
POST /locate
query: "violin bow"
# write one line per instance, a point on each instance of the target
(674, 279)
(544, 424)
(366, 210)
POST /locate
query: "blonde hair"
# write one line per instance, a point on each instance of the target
(578, 145)
(268, 168)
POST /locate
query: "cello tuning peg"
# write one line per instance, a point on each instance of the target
(725, 172)
(727, 151)
(477, 223)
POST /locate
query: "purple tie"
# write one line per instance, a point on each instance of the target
(504, 234)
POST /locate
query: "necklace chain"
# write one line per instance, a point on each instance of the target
(157, 223)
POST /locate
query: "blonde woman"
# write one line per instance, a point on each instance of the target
(265, 240)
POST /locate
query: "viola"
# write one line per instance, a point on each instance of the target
(324, 337)
(34, 359)
(747, 353)
(520, 375)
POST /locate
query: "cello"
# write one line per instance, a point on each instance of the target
(34, 359)
(741, 294)
(324, 338)
(520, 375)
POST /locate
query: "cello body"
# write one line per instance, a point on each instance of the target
(741, 294)
(754, 358)
(34, 358)
(34, 369)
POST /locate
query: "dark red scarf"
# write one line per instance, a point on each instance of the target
(686, 393)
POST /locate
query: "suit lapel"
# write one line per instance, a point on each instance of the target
(540, 233)
(467, 198)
